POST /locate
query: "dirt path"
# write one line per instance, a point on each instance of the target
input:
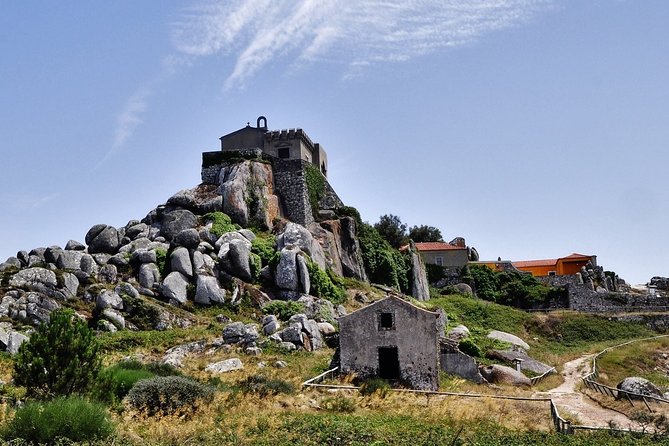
(570, 401)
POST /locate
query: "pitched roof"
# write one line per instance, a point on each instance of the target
(577, 256)
(437, 246)
(535, 263)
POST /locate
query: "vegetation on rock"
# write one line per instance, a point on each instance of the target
(221, 223)
(383, 263)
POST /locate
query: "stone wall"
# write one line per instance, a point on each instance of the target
(289, 182)
(582, 297)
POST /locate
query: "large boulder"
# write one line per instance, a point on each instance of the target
(103, 239)
(200, 200)
(70, 260)
(286, 276)
(180, 261)
(149, 275)
(340, 245)
(208, 291)
(248, 195)
(458, 333)
(227, 365)
(295, 235)
(420, 287)
(236, 261)
(240, 333)
(500, 374)
(639, 386)
(175, 288)
(527, 363)
(508, 337)
(35, 279)
(176, 220)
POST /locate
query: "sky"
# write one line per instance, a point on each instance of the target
(533, 128)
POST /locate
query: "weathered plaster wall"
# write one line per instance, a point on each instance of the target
(414, 334)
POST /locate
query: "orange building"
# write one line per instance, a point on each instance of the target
(556, 267)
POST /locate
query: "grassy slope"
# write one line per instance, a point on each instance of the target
(314, 417)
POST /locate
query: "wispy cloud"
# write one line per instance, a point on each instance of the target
(26, 202)
(355, 34)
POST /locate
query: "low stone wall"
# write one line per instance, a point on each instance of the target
(583, 298)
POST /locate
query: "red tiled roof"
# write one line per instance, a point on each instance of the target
(534, 263)
(437, 246)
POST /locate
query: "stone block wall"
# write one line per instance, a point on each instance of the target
(291, 186)
(289, 182)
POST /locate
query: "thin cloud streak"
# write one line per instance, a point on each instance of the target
(354, 34)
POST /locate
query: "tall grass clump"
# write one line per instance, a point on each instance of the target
(71, 418)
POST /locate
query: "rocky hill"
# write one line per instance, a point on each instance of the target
(222, 242)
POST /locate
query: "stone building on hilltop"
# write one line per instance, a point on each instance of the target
(298, 170)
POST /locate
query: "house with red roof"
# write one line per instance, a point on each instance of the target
(453, 254)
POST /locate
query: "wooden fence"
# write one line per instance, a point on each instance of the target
(590, 380)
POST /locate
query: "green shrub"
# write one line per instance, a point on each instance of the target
(72, 418)
(322, 285)
(60, 358)
(384, 264)
(164, 395)
(434, 272)
(161, 261)
(469, 347)
(283, 310)
(264, 386)
(338, 403)
(256, 265)
(349, 211)
(221, 223)
(265, 247)
(115, 382)
(375, 386)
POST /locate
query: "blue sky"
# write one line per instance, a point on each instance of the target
(534, 129)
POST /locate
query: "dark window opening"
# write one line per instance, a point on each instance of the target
(389, 363)
(284, 152)
(386, 321)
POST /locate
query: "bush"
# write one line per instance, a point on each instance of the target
(263, 386)
(265, 247)
(60, 358)
(70, 418)
(166, 395)
(221, 223)
(338, 403)
(283, 310)
(383, 263)
(349, 211)
(469, 347)
(322, 285)
(375, 386)
(115, 382)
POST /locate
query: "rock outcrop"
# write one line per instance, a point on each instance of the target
(247, 192)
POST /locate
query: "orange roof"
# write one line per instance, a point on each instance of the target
(534, 263)
(577, 256)
(437, 246)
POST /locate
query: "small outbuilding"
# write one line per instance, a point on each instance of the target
(391, 339)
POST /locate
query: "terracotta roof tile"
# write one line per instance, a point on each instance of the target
(437, 246)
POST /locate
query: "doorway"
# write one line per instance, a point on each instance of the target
(389, 363)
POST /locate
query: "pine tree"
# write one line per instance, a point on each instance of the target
(60, 358)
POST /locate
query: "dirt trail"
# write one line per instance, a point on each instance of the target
(569, 400)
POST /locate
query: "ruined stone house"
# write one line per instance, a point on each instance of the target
(391, 339)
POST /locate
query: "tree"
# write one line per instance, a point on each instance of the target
(424, 233)
(60, 358)
(391, 228)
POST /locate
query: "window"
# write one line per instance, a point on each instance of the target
(284, 152)
(439, 260)
(552, 273)
(386, 321)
